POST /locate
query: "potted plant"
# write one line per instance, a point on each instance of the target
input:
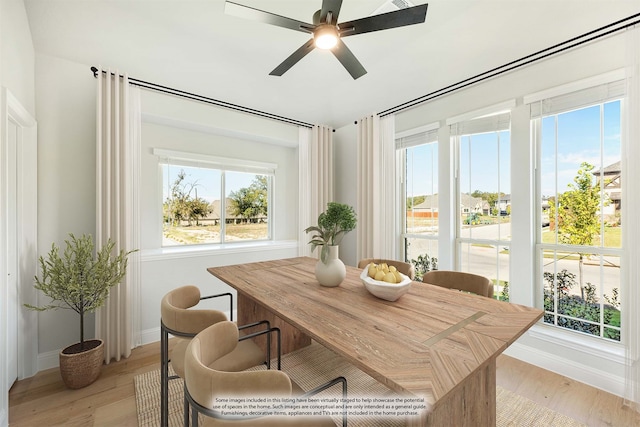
(80, 280)
(333, 224)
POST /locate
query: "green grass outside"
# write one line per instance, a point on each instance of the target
(612, 237)
(194, 235)
(615, 317)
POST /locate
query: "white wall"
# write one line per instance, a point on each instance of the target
(66, 178)
(16, 50)
(583, 359)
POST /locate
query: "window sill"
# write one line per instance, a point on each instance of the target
(212, 250)
(579, 342)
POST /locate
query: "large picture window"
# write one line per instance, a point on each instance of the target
(484, 199)
(419, 154)
(579, 244)
(194, 211)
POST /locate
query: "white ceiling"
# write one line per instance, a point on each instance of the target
(193, 46)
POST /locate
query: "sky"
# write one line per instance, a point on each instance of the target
(484, 158)
(578, 140)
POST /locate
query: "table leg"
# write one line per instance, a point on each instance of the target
(292, 339)
(472, 403)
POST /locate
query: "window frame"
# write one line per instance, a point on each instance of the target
(608, 85)
(464, 126)
(224, 165)
(403, 141)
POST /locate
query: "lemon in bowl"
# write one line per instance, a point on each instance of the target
(386, 290)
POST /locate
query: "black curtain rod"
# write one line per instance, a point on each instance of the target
(196, 97)
(537, 56)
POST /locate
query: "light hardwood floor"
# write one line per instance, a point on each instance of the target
(43, 400)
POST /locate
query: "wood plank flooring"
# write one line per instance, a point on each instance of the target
(43, 400)
(577, 400)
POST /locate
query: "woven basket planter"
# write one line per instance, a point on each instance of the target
(81, 368)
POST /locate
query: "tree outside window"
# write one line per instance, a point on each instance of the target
(580, 244)
(195, 213)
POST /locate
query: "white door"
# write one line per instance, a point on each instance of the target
(18, 245)
(11, 268)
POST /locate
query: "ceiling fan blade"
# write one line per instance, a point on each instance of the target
(385, 21)
(348, 60)
(293, 58)
(247, 12)
(332, 6)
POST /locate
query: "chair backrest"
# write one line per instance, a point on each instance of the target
(405, 268)
(205, 384)
(467, 282)
(177, 315)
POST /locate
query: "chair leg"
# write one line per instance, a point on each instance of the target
(164, 376)
(194, 417)
(186, 407)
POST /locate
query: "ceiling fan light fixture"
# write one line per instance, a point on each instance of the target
(328, 32)
(325, 36)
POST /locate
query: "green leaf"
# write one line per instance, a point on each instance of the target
(324, 254)
(333, 224)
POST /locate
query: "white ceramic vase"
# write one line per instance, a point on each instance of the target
(332, 272)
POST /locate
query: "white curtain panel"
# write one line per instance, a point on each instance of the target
(376, 188)
(117, 212)
(390, 228)
(315, 158)
(631, 229)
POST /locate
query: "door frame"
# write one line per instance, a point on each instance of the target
(26, 166)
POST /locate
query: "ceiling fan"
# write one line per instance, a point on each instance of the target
(328, 33)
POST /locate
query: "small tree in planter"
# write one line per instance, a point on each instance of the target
(80, 280)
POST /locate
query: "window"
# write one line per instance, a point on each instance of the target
(579, 242)
(484, 199)
(194, 211)
(419, 154)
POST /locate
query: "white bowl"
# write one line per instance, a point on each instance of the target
(385, 290)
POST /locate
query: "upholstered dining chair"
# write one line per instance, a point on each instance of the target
(180, 319)
(204, 384)
(405, 268)
(461, 281)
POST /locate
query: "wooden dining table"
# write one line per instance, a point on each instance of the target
(433, 343)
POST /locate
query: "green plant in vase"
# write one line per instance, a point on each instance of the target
(333, 224)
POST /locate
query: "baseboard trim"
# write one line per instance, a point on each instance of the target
(48, 360)
(4, 419)
(149, 336)
(569, 368)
